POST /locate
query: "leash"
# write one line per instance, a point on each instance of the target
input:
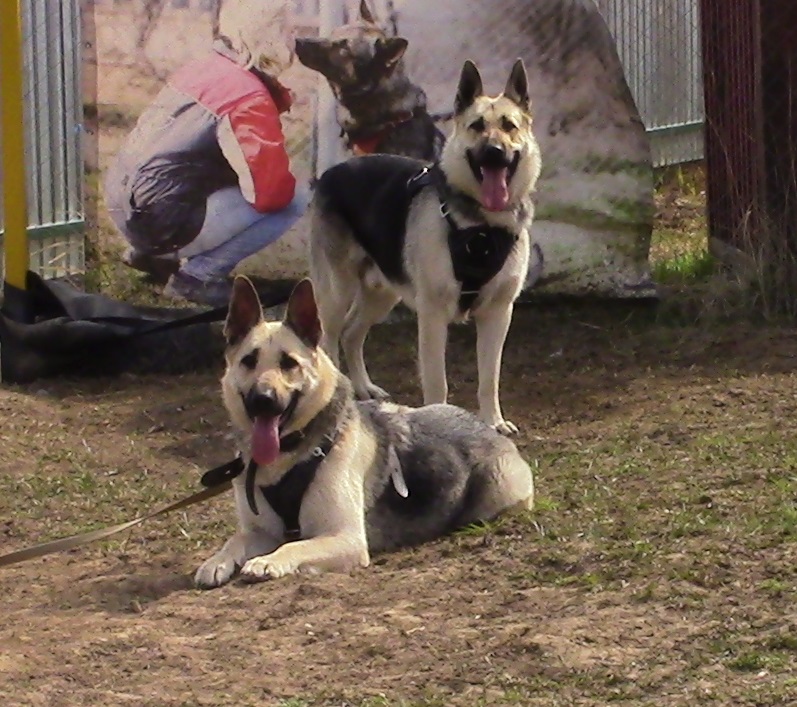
(221, 475)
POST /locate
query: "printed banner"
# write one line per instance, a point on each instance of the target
(215, 116)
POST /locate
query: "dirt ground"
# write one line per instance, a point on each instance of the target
(659, 568)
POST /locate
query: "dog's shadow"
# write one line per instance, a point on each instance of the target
(125, 593)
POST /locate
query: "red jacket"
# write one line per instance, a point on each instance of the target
(214, 125)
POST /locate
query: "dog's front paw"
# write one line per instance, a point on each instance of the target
(263, 568)
(372, 392)
(216, 571)
(505, 427)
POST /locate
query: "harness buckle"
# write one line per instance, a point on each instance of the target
(445, 212)
(418, 176)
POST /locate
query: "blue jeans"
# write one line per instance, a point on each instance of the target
(233, 230)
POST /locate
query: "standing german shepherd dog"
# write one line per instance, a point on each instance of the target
(378, 108)
(340, 478)
(450, 241)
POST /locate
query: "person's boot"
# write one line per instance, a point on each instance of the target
(214, 292)
(159, 267)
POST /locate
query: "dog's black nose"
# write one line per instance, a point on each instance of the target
(493, 156)
(266, 403)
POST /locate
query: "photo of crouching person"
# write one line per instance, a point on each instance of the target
(204, 181)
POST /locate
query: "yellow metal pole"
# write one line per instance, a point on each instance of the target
(12, 145)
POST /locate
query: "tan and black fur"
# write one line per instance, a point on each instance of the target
(393, 476)
(379, 109)
(371, 248)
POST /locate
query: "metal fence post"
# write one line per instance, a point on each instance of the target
(15, 238)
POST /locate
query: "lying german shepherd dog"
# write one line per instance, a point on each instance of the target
(450, 241)
(378, 108)
(339, 478)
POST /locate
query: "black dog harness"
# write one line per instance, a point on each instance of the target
(477, 252)
(284, 497)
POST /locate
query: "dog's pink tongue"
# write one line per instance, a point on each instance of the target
(495, 192)
(265, 440)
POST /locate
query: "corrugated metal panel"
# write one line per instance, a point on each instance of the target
(53, 108)
(659, 46)
(53, 111)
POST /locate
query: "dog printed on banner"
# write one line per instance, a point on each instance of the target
(379, 108)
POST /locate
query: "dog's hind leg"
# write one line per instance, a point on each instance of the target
(334, 297)
(371, 306)
(509, 487)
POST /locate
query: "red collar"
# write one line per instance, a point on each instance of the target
(366, 143)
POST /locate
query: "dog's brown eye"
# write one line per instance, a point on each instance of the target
(477, 125)
(507, 125)
(288, 362)
(250, 360)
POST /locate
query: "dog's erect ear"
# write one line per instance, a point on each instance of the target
(365, 13)
(245, 312)
(470, 87)
(389, 51)
(517, 87)
(313, 53)
(302, 314)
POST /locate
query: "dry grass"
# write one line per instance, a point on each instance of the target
(679, 251)
(658, 567)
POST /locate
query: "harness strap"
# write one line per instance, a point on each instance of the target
(477, 252)
(285, 497)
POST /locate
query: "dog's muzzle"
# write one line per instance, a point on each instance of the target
(269, 416)
(262, 403)
(492, 157)
(493, 168)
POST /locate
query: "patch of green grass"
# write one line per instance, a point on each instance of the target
(688, 522)
(776, 587)
(544, 504)
(783, 642)
(688, 179)
(770, 693)
(588, 580)
(480, 529)
(775, 523)
(684, 269)
(755, 660)
(647, 593)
